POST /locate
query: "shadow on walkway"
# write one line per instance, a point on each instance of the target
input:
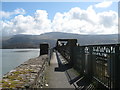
(70, 73)
(74, 78)
(61, 67)
(56, 76)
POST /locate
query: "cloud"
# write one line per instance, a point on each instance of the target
(35, 25)
(104, 4)
(108, 19)
(15, 12)
(86, 21)
(76, 20)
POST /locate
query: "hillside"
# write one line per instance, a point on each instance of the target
(33, 41)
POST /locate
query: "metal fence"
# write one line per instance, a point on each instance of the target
(99, 62)
(103, 63)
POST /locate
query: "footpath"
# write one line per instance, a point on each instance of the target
(56, 74)
(62, 75)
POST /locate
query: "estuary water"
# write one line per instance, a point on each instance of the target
(12, 58)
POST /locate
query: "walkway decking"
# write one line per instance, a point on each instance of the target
(56, 75)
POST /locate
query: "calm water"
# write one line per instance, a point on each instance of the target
(11, 58)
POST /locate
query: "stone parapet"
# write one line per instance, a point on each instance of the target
(30, 74)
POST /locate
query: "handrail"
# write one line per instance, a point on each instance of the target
(94, 61)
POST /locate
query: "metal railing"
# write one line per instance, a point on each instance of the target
(99, 62)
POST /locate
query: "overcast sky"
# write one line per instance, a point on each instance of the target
(41, 17)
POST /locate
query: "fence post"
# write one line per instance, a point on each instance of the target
(72, 43)
(50, 55)
(83, 59)
(91, 63)
(88, 63)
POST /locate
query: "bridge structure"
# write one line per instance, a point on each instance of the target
(97, 65)
(68, 65)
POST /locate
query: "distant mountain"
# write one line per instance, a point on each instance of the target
(33, 41)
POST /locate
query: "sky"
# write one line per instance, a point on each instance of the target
(70, 17)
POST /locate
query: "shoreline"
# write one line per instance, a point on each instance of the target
(26, 74)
